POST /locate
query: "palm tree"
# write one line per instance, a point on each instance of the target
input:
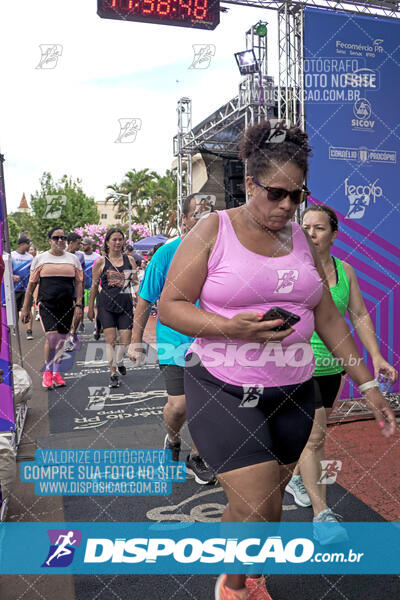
(138, 184)
(164, 203)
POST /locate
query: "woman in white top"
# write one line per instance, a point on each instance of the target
(60, 277)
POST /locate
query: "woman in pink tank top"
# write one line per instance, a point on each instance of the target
(249, 390)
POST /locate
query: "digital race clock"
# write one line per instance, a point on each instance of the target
(201, 14)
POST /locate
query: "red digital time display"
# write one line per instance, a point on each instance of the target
(200, 14)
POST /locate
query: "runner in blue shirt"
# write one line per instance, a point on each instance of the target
(74, 241)
(90, 258)
(171, 347)
(21, 265)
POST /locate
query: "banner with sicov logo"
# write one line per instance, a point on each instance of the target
(352, 95)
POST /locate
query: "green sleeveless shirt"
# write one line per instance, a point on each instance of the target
(325, 363)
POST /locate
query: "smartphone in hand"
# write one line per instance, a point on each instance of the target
(288, 318)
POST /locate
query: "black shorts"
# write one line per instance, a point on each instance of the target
(328, 387)
(19, 300)
(236, 427)
(56, 317)
(118, 321)
(173, 377)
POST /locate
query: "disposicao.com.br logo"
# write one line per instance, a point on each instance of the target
(190, 550)
(62, 547)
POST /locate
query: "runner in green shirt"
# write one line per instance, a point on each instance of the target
(321, 223)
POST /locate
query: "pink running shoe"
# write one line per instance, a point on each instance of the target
(224, 593)
(58, 380)
(256, 587)
(47, 381)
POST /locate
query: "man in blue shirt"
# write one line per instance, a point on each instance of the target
(90, 257)
(171, 347)
(21, 265)
(74, 243)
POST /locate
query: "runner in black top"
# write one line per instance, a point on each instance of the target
(117, 273)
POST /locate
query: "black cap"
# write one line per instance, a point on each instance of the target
(23, 240)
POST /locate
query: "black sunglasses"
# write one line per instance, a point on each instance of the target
(59, 237)
(276, 194)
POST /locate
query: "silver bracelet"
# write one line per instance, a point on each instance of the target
(368, 385)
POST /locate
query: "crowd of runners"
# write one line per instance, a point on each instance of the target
(251, 336)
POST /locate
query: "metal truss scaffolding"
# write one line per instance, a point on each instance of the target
(220, 132)
(291, 61)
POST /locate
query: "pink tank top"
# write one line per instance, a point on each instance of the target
(240, 280)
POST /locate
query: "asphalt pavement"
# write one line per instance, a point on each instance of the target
(85, 414)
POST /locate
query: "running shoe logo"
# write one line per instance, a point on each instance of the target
(251, 396)
(63, 543)
(286, 280)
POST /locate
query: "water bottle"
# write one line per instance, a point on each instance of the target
(385, 383)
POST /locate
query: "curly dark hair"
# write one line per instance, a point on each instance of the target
(259, 152)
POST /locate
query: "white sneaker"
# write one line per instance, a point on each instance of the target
(296, 488)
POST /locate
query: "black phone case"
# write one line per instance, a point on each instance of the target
(289, 318)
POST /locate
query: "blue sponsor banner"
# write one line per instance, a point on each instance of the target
(198, 548)
(352, 95)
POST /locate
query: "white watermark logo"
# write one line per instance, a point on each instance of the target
(128, 129)
(329, 471)
(205, 204)
(203, 54)
(54, 206)
(251, 396)
(286, 280)
(50, 54)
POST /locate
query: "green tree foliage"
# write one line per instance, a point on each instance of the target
(60, 203)
(163, 193)
(13, 232)
(136, 183)
(22, 223)
(153, 199)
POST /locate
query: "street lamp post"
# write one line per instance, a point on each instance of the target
(129, 196)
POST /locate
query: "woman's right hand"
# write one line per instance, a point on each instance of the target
(25, 315)
(249, 326)
(90, 314)
(382, 411)
(137, 353)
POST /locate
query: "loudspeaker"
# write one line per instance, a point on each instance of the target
(235, 193)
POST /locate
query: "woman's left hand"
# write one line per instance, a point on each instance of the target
(382, 412)
(380, 364)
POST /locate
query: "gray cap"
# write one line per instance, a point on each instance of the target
(87, 240)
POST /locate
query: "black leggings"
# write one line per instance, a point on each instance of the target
(236, 427)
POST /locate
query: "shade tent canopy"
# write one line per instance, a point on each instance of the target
(149, 242)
